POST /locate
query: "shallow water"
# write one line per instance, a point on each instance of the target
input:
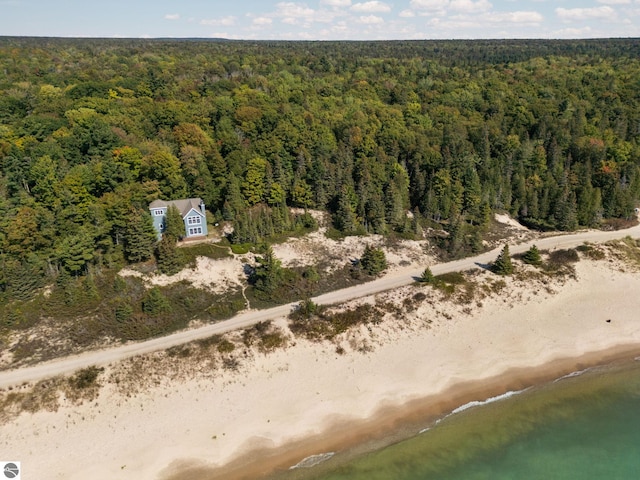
(585, 426)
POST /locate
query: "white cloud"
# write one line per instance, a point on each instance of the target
(371, 7)
(295, 14)
(429, 4)
(531, 17)
(407, 14)
(615, 2)
(172, 16)
(262, 21)
(469, 6)
(291, 9)
(573, 32)
(599, 13)
(370, 20)
(336, 3)
(225, 21)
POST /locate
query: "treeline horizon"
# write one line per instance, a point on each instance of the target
(92, 130)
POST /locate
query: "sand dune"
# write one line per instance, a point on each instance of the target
(291, 400)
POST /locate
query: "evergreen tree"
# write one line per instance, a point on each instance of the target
(139, 237)
(345, 218)
(503, 265)
(532, 256)
(267, 276)
(75, 252)
(155, 302)
(427, 276)
(174, 224)
(123, 312)
(168, 256)
(373, 260)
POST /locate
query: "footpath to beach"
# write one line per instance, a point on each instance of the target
(394, 280)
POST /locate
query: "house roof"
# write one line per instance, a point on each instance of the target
(184, 206)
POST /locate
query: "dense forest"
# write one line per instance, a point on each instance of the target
(91, 131)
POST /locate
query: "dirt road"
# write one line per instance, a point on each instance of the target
(393, 280)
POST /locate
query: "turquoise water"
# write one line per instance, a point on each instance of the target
(584, 427)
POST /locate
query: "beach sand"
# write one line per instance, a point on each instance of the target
(283, 406)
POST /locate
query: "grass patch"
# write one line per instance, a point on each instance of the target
(618, 223)
(591, 252)
(450, 283)
(241, 248)
(628, 249)
(326, 325)
(85, 378)
(225, 346)
(564, 257)
(43, 395)
(214, 251)
(84, 385)
(82, 312)
(265, 336)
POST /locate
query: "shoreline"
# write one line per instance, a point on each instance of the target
(393, 424)
(278, 408)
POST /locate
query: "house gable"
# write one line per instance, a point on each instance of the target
(192, 211)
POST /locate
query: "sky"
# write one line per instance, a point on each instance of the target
(322, 19)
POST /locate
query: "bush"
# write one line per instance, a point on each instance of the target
(564, 257)
(225, 346)
(306, 309)
(85, 378)
(452, 278)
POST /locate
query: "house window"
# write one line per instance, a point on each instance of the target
(194, 220)
(158, 213)
(195, 231)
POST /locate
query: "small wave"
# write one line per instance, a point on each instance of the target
(572, 374)
(475, 403)
(313, 460)
(478, 403)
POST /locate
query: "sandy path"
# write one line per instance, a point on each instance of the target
(396, 279)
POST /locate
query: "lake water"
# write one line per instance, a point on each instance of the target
(585, 426)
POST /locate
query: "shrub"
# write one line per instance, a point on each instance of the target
(85, 378)
(306, 309)
(563, 257)
(225, 346)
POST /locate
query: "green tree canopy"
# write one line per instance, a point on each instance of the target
(532, 256)
(174, 224)
(139, 236)
(503, 265)
(155, 303)
(168, 256)
(373, 260)
(268, 274)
